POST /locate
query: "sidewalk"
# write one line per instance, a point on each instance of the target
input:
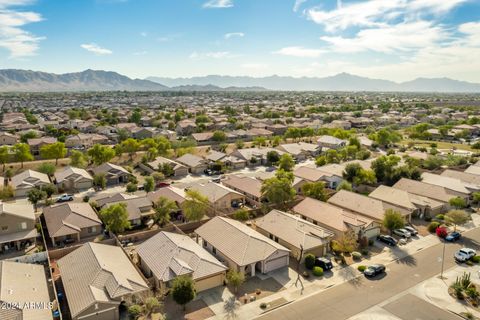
(295, 290)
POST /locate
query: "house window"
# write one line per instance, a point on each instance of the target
(270, 236)
(4, 228)
(92, 230)
(214, 251)
(22, 226)
(276, 239)
(204, 243)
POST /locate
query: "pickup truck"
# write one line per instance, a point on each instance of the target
(464, 254)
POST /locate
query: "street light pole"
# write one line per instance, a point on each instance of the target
(443, 259)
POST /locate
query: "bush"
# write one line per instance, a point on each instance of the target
(356, 255)
(440, 217)
(131, 187)
(371, 242)
(365, 252)
(263, 305)
(135, 311)
(427, 218)
(317, 271)
(433, 226)
(305, 274)
(309, 261)
(441, 232)
(86, 198)
(476, 259)
(361, 268)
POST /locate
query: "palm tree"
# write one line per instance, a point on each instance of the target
(163, 208)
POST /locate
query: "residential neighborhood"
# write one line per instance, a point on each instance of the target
(232, 206)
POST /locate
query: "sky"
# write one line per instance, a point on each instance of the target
(397, 40)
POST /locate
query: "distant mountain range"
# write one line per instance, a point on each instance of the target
(98, 80)
(339, 82)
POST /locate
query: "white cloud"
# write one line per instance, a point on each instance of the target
(388, 39)
(375, 13)
(234, 34)
(211, 55)
(19, 42)
(143, 34)
(96, 49)
(302, 52)
(297, 4)
(218, 4)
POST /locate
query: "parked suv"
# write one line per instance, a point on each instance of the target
(374, 270)
(402, 233)
(324, 263)
(464, 254)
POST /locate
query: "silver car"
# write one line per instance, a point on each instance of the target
(402, 233)
(412, 230)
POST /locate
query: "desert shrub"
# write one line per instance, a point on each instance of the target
(263, 305)
(361, 268)
(309, 261)
(440, 217)
(317, 271)
(356, 255)
(433, 226)
(476, 259)
(364, 252)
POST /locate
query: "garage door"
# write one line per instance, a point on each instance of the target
(276, 263)
(372, 233)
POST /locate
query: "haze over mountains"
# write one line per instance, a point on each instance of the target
(98, 80)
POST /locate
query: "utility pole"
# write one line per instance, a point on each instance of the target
(443, 259)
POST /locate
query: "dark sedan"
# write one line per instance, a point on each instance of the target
(387, 239)
(374, 270)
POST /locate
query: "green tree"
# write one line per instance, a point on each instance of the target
(21, 153)
(136, 116)
(47, 168)
(78, 159)
(100, 181)
(457, 217)
(6, 192)
(346, 243)
(36, 195)
(28, 135)
(100, 154)
(286, 162)
(183, 290)
(49, 189)
(241, 214)
(115, 217)
(219, 136)
(315, 190)
(149, 184)
(393, 220)
(320, 161)
(458, 202)
(195, 205)
(279, 190)
(4, 156)
(130, 146)
(476, 197)
(163, 145)
(273, 157)
(131, 187)
(55, 151)
(235, 279)
(163, 208)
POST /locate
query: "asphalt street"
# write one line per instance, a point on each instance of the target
(348, 299)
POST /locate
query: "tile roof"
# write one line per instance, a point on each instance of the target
(69, 218)
(424, 189)
(238, 242)
(97, 272)
(169, 255)
(72, 172)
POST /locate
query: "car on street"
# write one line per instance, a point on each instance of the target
(323, 263)
(387, 239)
(65, 198)
(453, 236)
(412, 230)
(373, 270)
(402, 233)
(464, 254)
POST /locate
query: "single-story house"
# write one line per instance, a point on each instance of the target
(138, 207)
(113, 173)
(167, 255)
(242, 248)
(336, 219)
(430, 191)
(251, 188)
(97, 278)
(470, 178)
(171, 192)
(366, 206)
(299, 236)
(331, 142)
(301, 150)
(179, 170)
(23, 286)
(258, 154)
(74, 221)
(310, 174)
(28, 180)
(36, 144)
(396, 197)
(195, 164)
(72, 178)
(8, 139)
(219, 196)
(453, 184)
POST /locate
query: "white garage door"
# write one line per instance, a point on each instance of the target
(276, 263)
